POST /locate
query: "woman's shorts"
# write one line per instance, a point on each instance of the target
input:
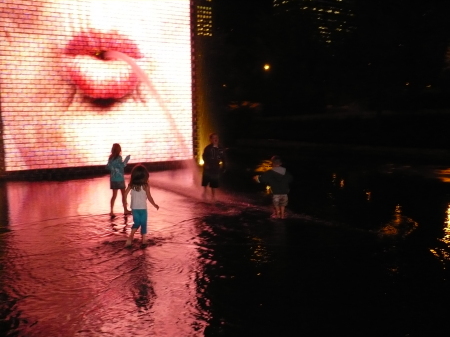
(140, 219)
(211, 179)
(117, 185)
(280, 199)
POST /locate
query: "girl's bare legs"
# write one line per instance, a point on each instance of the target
(126, 211)
(144, 239)
(205, 193)
(278, 211)
(113, 200)
(282, 216)
(130, 237)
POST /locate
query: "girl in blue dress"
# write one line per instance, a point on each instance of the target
(117, 179)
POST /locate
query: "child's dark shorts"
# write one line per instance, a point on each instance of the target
(117, 185)
(211, 179)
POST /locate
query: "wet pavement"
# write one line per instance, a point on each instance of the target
(364, 252)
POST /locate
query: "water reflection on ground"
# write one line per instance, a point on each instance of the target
(67, 272)
(363, 253)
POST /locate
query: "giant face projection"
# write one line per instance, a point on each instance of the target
(78, 76)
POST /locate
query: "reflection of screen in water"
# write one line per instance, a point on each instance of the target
(62, 105)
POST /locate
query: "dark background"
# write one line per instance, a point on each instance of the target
(385, 81)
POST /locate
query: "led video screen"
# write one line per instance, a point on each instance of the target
(78, 76)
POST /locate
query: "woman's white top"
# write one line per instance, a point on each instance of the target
(138, 199)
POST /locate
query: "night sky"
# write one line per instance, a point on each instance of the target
(395, 43)
(396, 59)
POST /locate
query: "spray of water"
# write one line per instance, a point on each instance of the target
(115, 55)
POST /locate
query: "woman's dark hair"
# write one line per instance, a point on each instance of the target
(139, 177)
(115, 151)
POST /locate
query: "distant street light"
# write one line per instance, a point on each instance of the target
(266, 67)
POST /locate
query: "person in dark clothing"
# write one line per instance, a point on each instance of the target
(214, 163)
(279, 180)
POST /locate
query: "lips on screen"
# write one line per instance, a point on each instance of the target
(63, 104)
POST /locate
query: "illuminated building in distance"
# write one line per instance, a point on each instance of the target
(202, 39)
(332, 18)
(203, 18)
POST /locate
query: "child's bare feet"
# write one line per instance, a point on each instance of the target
(112, 215)
(128, 243)
(127, 212)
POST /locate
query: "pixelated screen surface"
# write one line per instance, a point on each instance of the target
(65, 100)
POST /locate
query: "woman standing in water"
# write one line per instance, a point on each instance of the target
(279, 180)
(117, 177)
(140, 193)
(213, 164)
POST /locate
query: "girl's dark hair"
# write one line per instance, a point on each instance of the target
(139, 177)
(115, 151)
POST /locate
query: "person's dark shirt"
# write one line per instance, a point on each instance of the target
(212, 157)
